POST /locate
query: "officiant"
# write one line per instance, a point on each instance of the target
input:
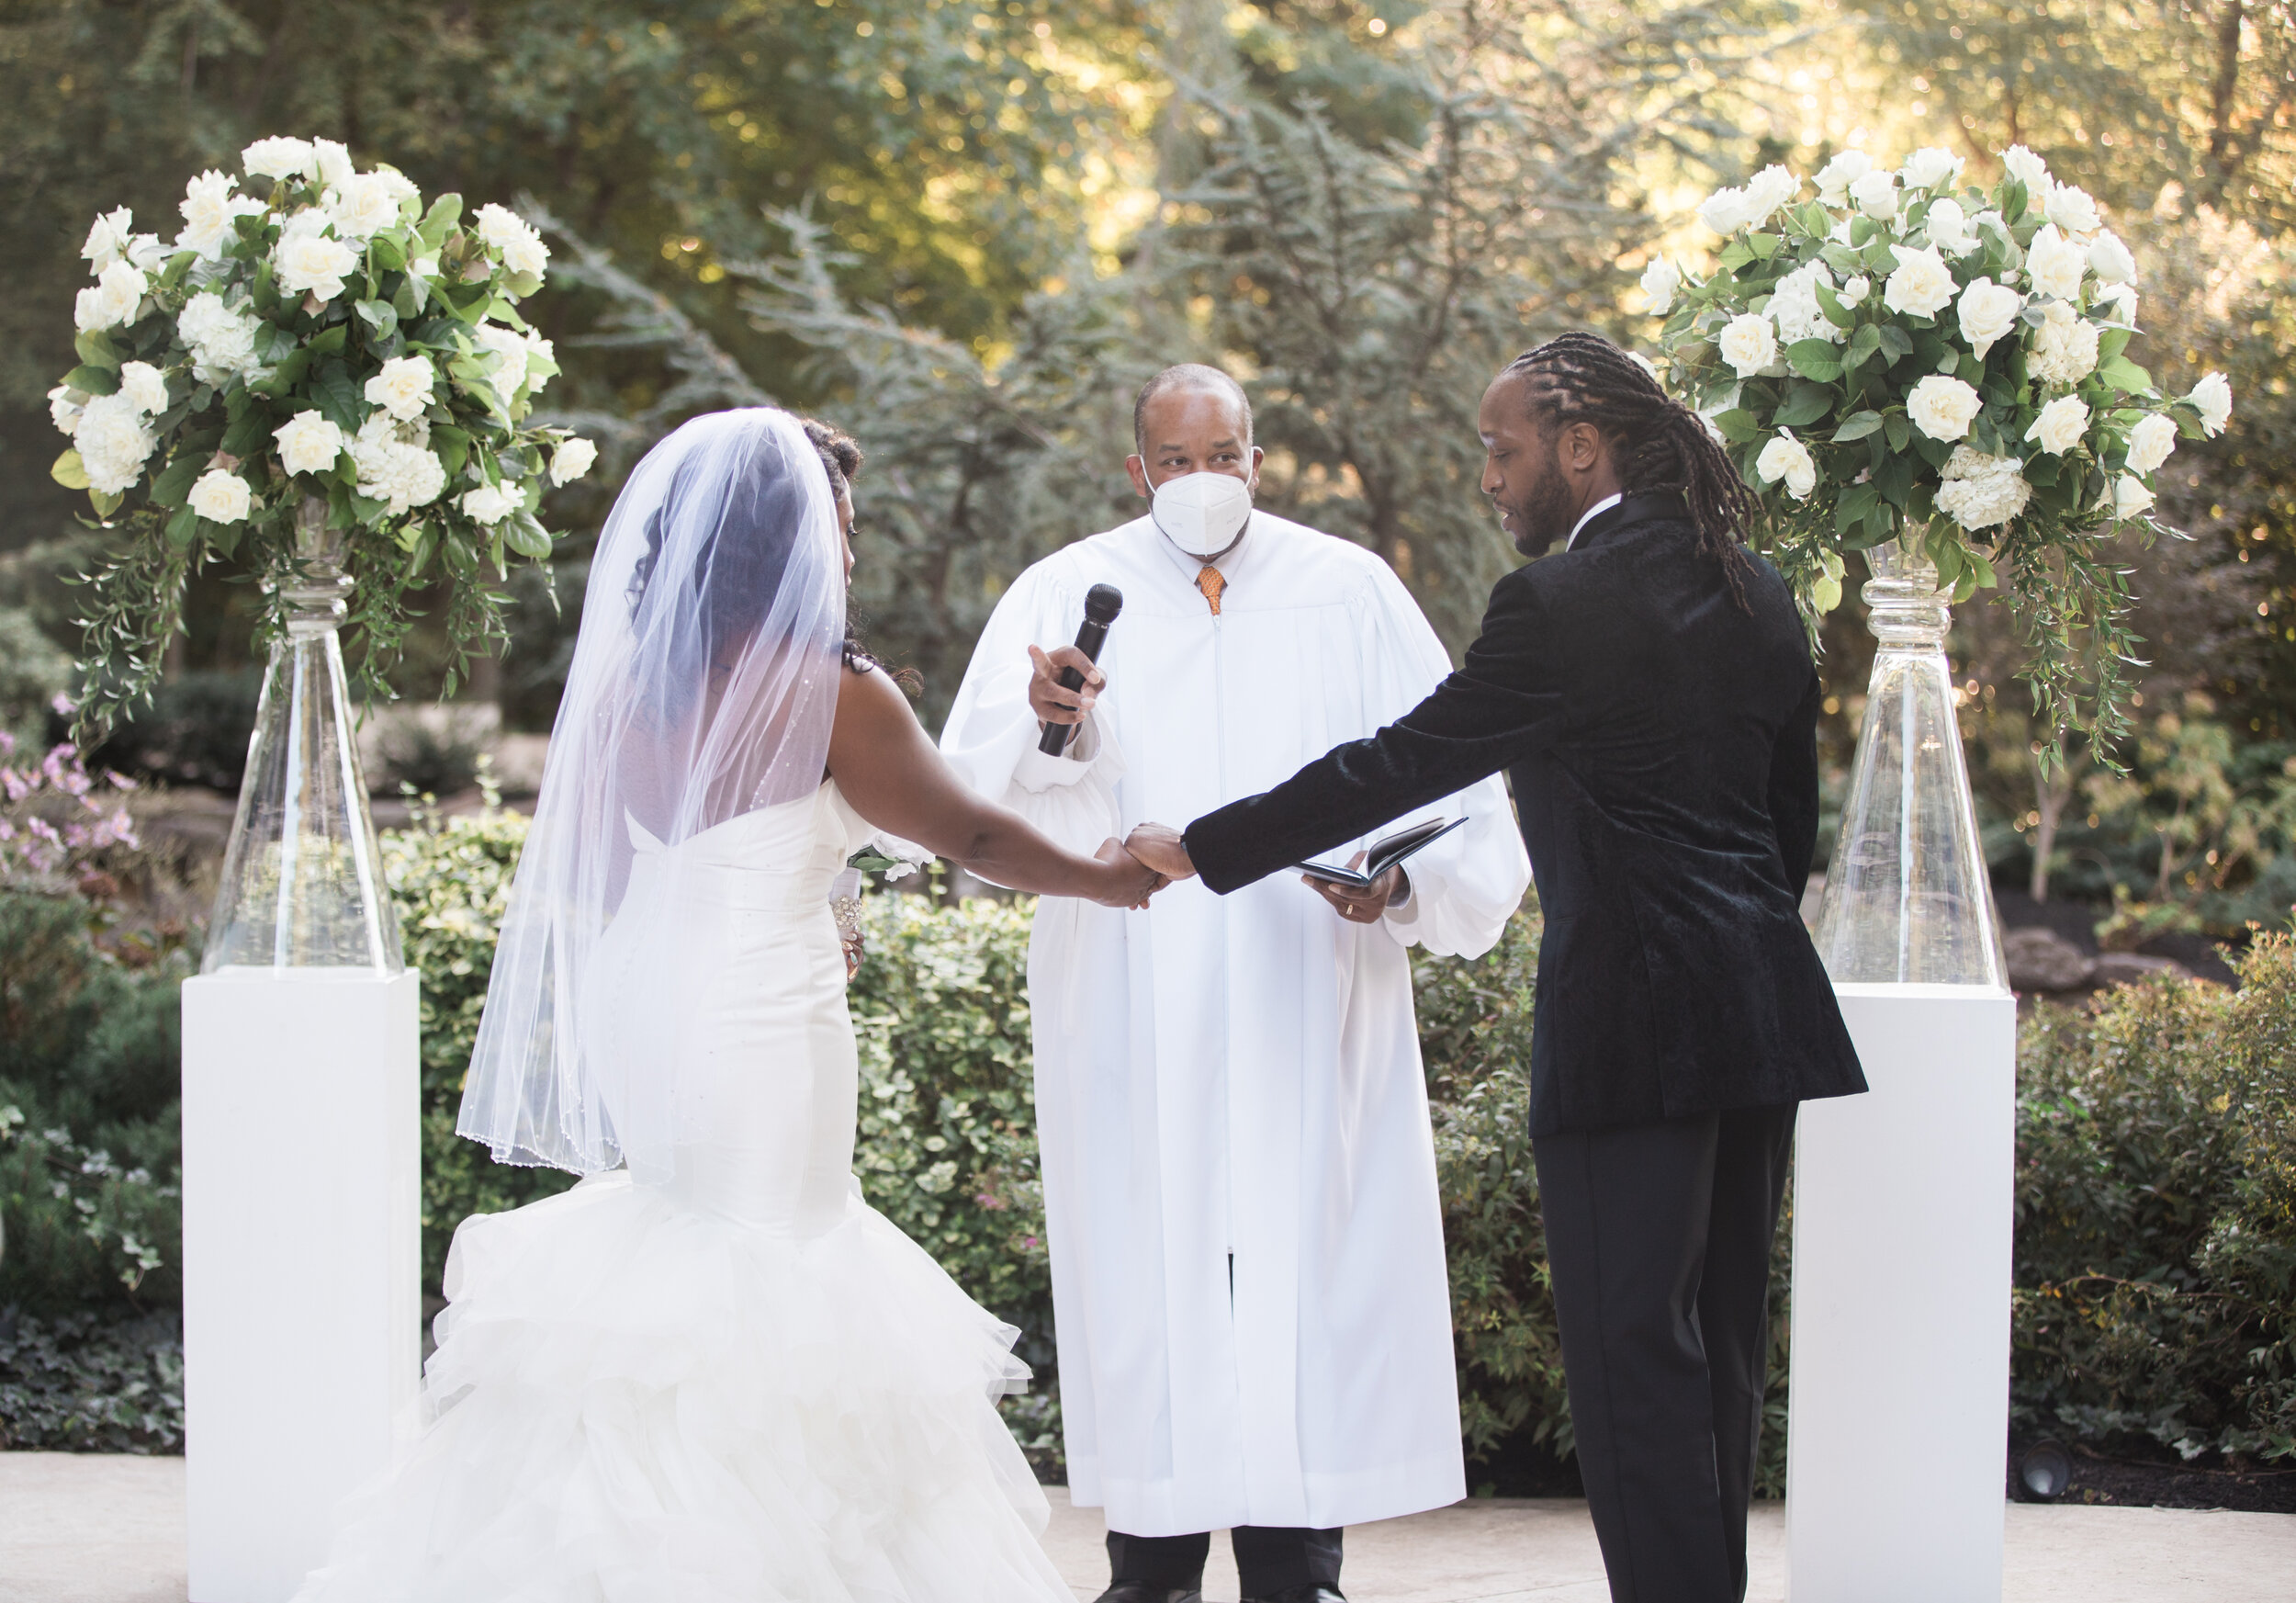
(1248, 1281)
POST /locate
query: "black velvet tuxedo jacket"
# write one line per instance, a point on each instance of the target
(1663, 745)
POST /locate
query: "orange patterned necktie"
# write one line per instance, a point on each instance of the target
(1210, 582)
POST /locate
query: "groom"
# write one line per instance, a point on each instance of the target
(1649, 689)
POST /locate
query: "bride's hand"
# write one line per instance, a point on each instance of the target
(1130, 883)
(1160, 846)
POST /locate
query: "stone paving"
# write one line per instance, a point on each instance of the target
(111, 1530)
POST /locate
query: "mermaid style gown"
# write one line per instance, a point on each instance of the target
(745, 1383)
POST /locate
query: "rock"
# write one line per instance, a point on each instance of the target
(2132, 968)
(2043, 960)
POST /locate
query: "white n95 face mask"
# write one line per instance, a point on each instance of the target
(1203, 514)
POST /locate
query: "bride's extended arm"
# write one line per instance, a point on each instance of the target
(887, 769)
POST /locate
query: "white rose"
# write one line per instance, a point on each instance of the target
(488, 505)
(209, 210)
(222, 341)
(2064, 348)
(1947, 228)
(1660, 281)
(539, 351)
(1769, 190)
(2130, 498)
(1786, 458)
(2027, 169)
(146, 253)
(308, 262)
(2061, 424)
(362, 205)
(396, 184)
(403, 387)
(2054, 265)
(1876, 195)
(508, 345)
(1854, 292)
(1727, 210)
(2072, 209)
(1923, 284)
(111, 300)
(2150, 441)
(221, 496)
(2112, 260)
(395, 465)
(1931, 168)
(65, 411)
(276, 158)
(571, 460)
(107, 239)
(144, 386)
(114, 441)
(1836, 176)
(1980, 491)
(307, 443)
(1794, 305)
(330, 162)
(1749, 344)
(2121, 299)
(423, 266)
(1943, 408)
(1987, 310)
(2213, 396)
(505, 232)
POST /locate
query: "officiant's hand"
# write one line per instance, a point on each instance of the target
(1133, 883)
(1162, 849)
(1048, 699)
(1367, 906)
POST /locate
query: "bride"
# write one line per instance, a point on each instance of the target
(709, 1370)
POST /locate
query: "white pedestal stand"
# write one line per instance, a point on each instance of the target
(303, 1260)
(1902, 1215)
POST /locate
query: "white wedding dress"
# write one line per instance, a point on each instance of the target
(744, 1383)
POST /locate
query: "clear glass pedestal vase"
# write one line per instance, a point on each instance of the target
(1906, 897)
(302, 883)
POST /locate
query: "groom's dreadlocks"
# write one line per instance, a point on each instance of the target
(1581, 377)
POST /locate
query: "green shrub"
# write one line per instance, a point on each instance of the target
(83, 1384)
(450, 878)
(90, 1141)
(2156, 1213)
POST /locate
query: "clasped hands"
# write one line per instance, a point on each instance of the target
(1157, 849)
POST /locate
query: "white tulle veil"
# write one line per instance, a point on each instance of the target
(703, 686)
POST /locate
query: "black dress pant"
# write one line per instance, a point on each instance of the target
(1268, 1559)
(1659, 1239)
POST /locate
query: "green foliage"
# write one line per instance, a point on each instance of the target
(450, 878)
(2157, 1175)
(89, 1141)
(80, 1384)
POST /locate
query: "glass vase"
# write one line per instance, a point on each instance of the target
(1906, 897)
(302, 877)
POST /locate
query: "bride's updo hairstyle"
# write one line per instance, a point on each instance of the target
(703, 686)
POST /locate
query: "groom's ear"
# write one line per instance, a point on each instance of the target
(1137, 466)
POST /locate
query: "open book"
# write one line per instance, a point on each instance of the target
(1383, 854)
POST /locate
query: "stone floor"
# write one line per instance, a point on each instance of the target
(103, 1530)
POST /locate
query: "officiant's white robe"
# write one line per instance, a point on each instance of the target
(1249, 1278)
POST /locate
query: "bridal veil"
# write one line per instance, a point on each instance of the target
(703, 686)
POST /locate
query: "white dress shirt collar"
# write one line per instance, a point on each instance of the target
(1590, 513)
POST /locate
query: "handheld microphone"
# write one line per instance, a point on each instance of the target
(1102, 603)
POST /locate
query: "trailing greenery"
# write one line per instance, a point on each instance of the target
(80, 1382)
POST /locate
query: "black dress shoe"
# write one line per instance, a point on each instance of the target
(1130, 1592)
(1314, 1593)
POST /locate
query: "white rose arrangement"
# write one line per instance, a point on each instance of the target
(1900, 358)
(314, 336)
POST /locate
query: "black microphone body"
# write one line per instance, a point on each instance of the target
(1102, 603)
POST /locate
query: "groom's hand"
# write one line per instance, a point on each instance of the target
(1160, 847)
(1367, 906)
(1048, 699)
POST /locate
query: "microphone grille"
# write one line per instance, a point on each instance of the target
(1102, 603)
